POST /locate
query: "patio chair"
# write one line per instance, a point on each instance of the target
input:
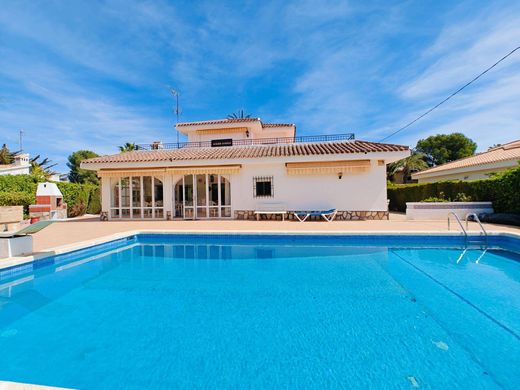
(328, 215)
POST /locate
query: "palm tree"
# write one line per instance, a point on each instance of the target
(42, 169)
(238, 115)
(416, 162)
(6, 156)
(127, 147)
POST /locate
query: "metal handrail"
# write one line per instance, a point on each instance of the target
(477, 220)
(458, 221)
(247, 141)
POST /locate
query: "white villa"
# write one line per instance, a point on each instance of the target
(20, 166)
(231, 168)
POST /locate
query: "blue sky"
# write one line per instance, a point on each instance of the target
(94, 74)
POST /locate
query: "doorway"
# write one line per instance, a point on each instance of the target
(203, 196)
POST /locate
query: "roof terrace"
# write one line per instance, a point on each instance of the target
(227, 142)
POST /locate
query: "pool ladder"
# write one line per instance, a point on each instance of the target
(483, 233)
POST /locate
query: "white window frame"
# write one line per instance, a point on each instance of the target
(194, 208)
(154, 208)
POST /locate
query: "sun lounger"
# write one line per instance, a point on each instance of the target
(328, 215)
(270, 209)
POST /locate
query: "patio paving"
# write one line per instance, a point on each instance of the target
(90, 228)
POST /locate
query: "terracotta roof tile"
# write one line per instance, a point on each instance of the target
(238, 120)
(510, 151)
(256, 151)
(278, 125)
(218, 121)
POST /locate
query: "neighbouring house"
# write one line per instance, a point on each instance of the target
(231, 167)
(402, 177)
(63, 177)
(20, 166)
(479, 166)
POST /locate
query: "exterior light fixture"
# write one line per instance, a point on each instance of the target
(340, 175)
(247, 133)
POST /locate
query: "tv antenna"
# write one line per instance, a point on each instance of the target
(176, 110)
(21, 140)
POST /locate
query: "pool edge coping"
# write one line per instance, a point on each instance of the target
(63, 249)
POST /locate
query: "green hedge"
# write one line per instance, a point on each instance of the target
(17, 199)
(20, 190)
(503, 190)
(18, 183)
(76, 196)
(94, 203)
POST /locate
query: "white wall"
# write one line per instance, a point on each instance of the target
(15, 170)
(194, 137)
(440, 211)
(354, 192)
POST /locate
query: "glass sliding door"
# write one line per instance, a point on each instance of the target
(125, 197)
(225, 198)
(189, 204)
(213, 196)
(115, 200)
(147, 197)
(203, 196)
(158, 202)
(179, 199)
(136, 197)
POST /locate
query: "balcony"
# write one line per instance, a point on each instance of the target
(227, 142)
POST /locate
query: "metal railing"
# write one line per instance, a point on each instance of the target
(458, 221)
(477, 220)
(247, 142)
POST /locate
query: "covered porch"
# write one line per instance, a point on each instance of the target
(192, 192)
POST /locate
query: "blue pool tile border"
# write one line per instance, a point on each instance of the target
(66, 257)
(500, 240)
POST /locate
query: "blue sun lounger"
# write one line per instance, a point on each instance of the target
(328, 215)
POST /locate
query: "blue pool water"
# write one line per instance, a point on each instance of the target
(195, 311)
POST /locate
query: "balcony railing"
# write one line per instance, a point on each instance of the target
(248, 141)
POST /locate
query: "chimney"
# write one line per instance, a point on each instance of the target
(156, 145)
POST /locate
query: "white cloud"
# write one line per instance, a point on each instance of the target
(95, 76)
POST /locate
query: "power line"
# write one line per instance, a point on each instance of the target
(453, 94)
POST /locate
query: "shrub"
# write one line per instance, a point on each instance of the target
(76, 196)
(503, 189)
(434, 199)
(94, 203)
(20, 190)
(18, 183)
(462, 197)
(17, 199)
(76, 209)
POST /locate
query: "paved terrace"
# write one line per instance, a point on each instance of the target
(83, 229)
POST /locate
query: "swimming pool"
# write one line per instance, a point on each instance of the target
(264, 311)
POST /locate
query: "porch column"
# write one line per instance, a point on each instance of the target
(105, 197)
(168, 196)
